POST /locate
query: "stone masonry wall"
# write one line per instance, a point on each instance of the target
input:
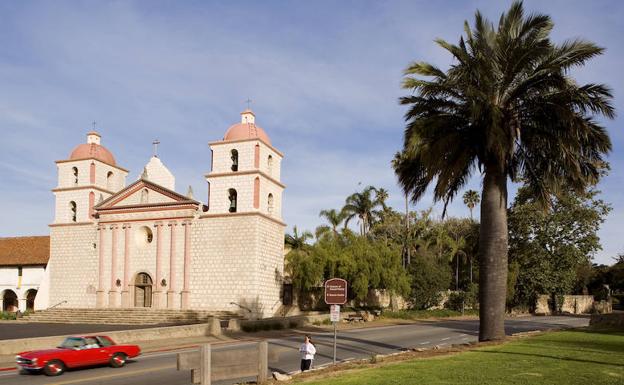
(73, 265)
(236, 264)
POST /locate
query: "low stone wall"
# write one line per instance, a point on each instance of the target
(121, 337)
(572, 304)
(614, 320)
(285, 322)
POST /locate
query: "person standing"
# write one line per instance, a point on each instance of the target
(307, 350)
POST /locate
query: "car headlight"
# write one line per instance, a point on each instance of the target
(34, 360)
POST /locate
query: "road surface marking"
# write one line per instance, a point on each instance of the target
(123, 374)
(445, 339)
(424, 343)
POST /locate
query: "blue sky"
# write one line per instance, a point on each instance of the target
(324, 77)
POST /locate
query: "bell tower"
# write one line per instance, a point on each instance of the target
(245, 172)
(89, 176)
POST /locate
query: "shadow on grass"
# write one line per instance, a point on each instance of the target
(551, 357)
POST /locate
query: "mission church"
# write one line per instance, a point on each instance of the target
(114, 245)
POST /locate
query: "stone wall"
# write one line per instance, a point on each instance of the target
(73, 265)
(237, 264)
(572, 304)
(615, 320)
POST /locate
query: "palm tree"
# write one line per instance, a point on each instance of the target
(296, 241)
(398, 156)
(381, 196)
(361, 205)
(509, 108)
(471, 199)
(334, 218)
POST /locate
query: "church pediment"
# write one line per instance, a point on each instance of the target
(144, 193)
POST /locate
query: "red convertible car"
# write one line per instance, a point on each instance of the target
(76, 352)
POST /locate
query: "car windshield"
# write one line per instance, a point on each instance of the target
(72, 343)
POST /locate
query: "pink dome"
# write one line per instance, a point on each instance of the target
(241, 131)
(93, 150)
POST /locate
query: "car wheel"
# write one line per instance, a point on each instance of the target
(118, 360)
(54, 368)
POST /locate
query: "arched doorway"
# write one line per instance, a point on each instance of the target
(143, 290)
(9, 301)
(30, 299)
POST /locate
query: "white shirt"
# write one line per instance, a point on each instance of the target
(307, 351)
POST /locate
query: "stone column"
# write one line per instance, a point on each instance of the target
(100, 300)
(187, 264)
(158, 297)
(125, 294)
(113, 294)
(172, 269)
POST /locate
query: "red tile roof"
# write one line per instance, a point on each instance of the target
(23, 251)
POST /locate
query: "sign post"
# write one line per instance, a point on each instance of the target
(335, 295)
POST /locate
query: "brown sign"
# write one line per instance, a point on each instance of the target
(335, 291)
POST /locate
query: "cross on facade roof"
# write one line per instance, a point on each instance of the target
(156, 143)
(248, 101)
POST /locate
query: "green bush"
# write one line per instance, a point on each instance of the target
(424, 314)
(429, 279)
(6, 315)
(254, 327)
(456, 301)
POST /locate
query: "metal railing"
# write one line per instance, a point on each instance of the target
(58, 304)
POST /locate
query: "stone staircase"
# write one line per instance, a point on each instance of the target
(126, 316)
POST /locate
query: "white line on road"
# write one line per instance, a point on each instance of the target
(424, 343)
(445, 339)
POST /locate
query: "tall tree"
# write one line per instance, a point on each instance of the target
(297, 241)
(471, 199)
(407, 259)
(362, 205)
(334, 218)
(508, 107)
(550, 245)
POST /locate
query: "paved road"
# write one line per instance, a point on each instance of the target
(160, 368)
(9, 330)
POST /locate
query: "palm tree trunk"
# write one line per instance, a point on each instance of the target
(493, 256)
(407, 230)
(456, 272)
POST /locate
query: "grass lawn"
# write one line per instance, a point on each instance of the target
(566, 357)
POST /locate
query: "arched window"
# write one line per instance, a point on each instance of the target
(109, 181)
(270, 203)
(92, 173)
(91, 204)
(232, 197)
(270, 164)
(144, 196)
(75, 172)
(234, 156)
(256, 197)
(72, 211)
(257, 156)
